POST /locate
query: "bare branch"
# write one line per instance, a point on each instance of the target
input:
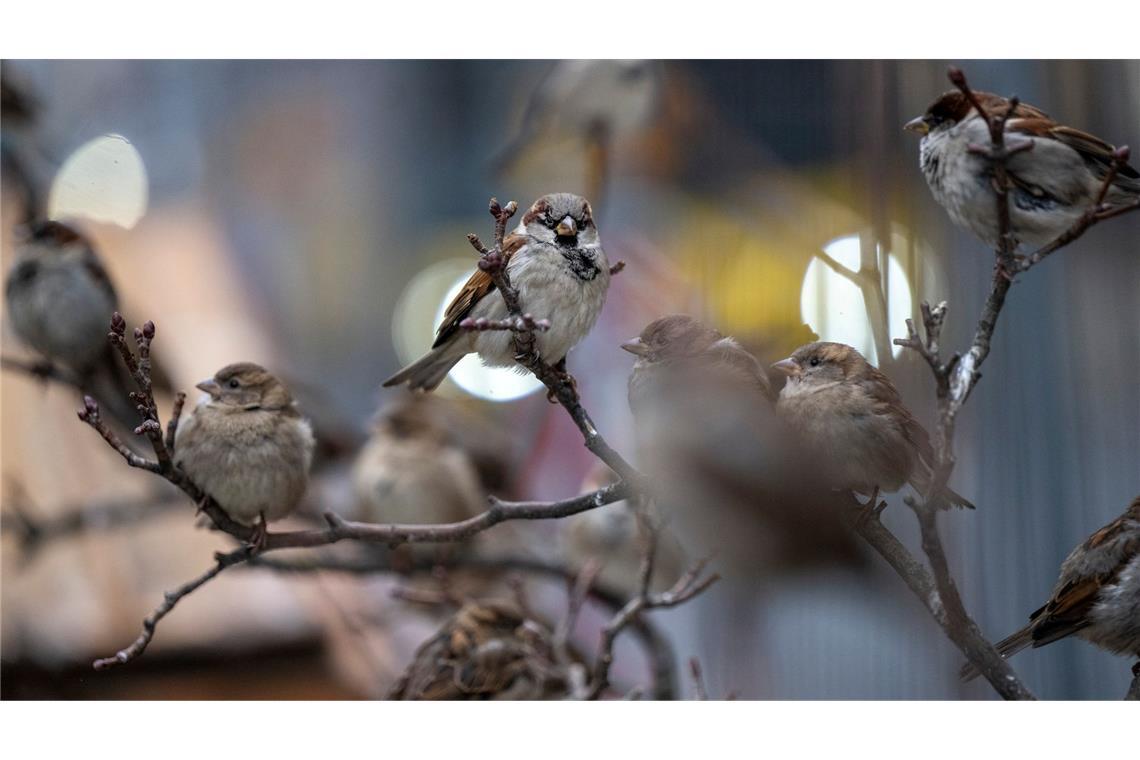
(525, 323)
(170, 600)
(940, 597)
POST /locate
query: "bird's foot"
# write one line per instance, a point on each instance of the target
(260, 533)
(566, 378)
(872, 508)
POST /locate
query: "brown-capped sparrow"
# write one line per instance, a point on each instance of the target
(584, 100)
(488, 650)
(1052, 184)
(1096, 597)
(410, 471)
(246, 445)
(556, 262)
(730, 476)
(850, 414)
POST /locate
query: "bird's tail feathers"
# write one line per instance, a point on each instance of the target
(427, 372)
(1007, 647)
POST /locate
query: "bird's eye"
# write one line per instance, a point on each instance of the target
(233, 383)
(814, 361)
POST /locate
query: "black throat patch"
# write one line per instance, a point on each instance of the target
(582, 262)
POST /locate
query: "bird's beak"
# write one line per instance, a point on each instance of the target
(567, 227)
(635, 347)
(917, 125)
(210, 386)
(787, 366)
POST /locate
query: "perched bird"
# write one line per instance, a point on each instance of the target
(851, 415)
(730, 476)
(589, 100)
(555, 260)
(410, 471)
(487, 650)
(60, 302)
(60, 299)
(246, 445)
(1052, 184)
(1097, 596)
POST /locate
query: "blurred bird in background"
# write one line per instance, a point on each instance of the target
(60, 301)
(1096, 597)
(411, 472)
(852, 416)
(1052, 185)
(597, 104)
(487, 650)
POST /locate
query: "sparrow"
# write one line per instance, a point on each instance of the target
(1096, 597)
(730, 478)
(246, 445)
(487, 650)
(555, 260)
(851, 415)
(1051, 185)
(587, 100)
(60, 299)
(410, 471)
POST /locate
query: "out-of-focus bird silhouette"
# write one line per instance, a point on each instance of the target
(730, 476)
(487, 650)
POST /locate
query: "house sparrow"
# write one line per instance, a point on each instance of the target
(555, 260)
(1052, 184)
(409, 471)
(60, 299)
(1097, 596)
(60, 302)
(587, 100)
(487, 650)
(246, 445)
(730, 478)
(850, 413)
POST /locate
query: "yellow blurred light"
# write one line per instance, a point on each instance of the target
(104, 180)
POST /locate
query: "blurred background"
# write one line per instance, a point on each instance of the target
(311, 216)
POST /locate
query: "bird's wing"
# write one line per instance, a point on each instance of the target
(1093, 149)
(1067, 611)
(478, 286)
(736, 356)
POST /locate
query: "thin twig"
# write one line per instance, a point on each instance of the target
(170, 599)
(699, 690)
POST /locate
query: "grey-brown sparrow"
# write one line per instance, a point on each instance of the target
(555, 260)
(851, 415)
(1052, 184)
(587, 100)
(729, 475)
(246, 445)
(1096, 597)
(60, 299)
(410, 471)
(487, 650)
